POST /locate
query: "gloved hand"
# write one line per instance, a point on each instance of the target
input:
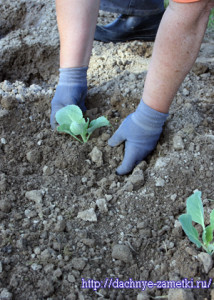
(71, 89)
(140, 131)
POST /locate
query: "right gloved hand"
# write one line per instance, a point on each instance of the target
(71, 89)
(140, 131)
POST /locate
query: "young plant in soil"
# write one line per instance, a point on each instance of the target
(71, 121)
(195, 213)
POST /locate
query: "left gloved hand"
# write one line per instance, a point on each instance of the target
(71, 89)
(140, 131)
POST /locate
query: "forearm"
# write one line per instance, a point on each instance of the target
(76, 24)
(175, 51)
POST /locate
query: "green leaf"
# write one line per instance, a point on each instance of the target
(210, 248)
(191, 232)
(208, 232)
(78, 128)
(69, 114)
(99, 122)
(195, 208)
(207, 235)
(64, 128)
(212, 218)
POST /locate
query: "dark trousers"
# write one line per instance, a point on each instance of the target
(133, 7)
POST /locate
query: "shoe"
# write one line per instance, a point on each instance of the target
(127, 28)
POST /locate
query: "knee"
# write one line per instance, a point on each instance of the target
(205, 8)
(194, 12)
(207, 4)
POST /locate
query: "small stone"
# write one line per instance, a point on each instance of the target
(101, 203)
(105, 136)
(185, 92)
(145, 233)
(113, 185)
(57, 246)
(89, 242)
(30, 213)
(109, 197)
(60, 226)
(200, 68)
(71, 296)
(6, 295)
(14, 280)
(3, 182)
(96, 156)
(3, 113)
(191, 251)
(45, 254)
(141, 225)
(57, 273)
(177, 224)
(87, 215)
(71, 278)
(128, 187)
(103, 182)
(211, 273)
(160, 182)
(178, 143)
(37, 250)
(80, 296)
(84, 179)
(122, 252)
(20, 98)
(34, 156)
(46, 287)
(48, 268)
(47, 171)
(143, 296)
(78, 263)
(9, 103)
(21, 243)
(173, 197)
(1, 267)
(35, 195)
(161, 162)
(7, 86)
(137, 178)
(36, 267)
(180, 294)
(35, 88)
(5, 206)
(142, 166)
(3, 141)
(206, 260)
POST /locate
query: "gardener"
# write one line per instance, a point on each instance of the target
(76, 22)
(175, 50)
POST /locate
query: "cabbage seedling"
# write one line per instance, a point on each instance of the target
(71, 121)
(195, 213)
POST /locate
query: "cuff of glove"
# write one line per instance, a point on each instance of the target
(71, 76)
(147, 116)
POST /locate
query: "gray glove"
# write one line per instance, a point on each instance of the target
(71, 89)
(140, 131)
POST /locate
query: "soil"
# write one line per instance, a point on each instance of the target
(65, 215)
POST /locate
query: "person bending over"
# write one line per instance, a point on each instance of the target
(175, 50)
